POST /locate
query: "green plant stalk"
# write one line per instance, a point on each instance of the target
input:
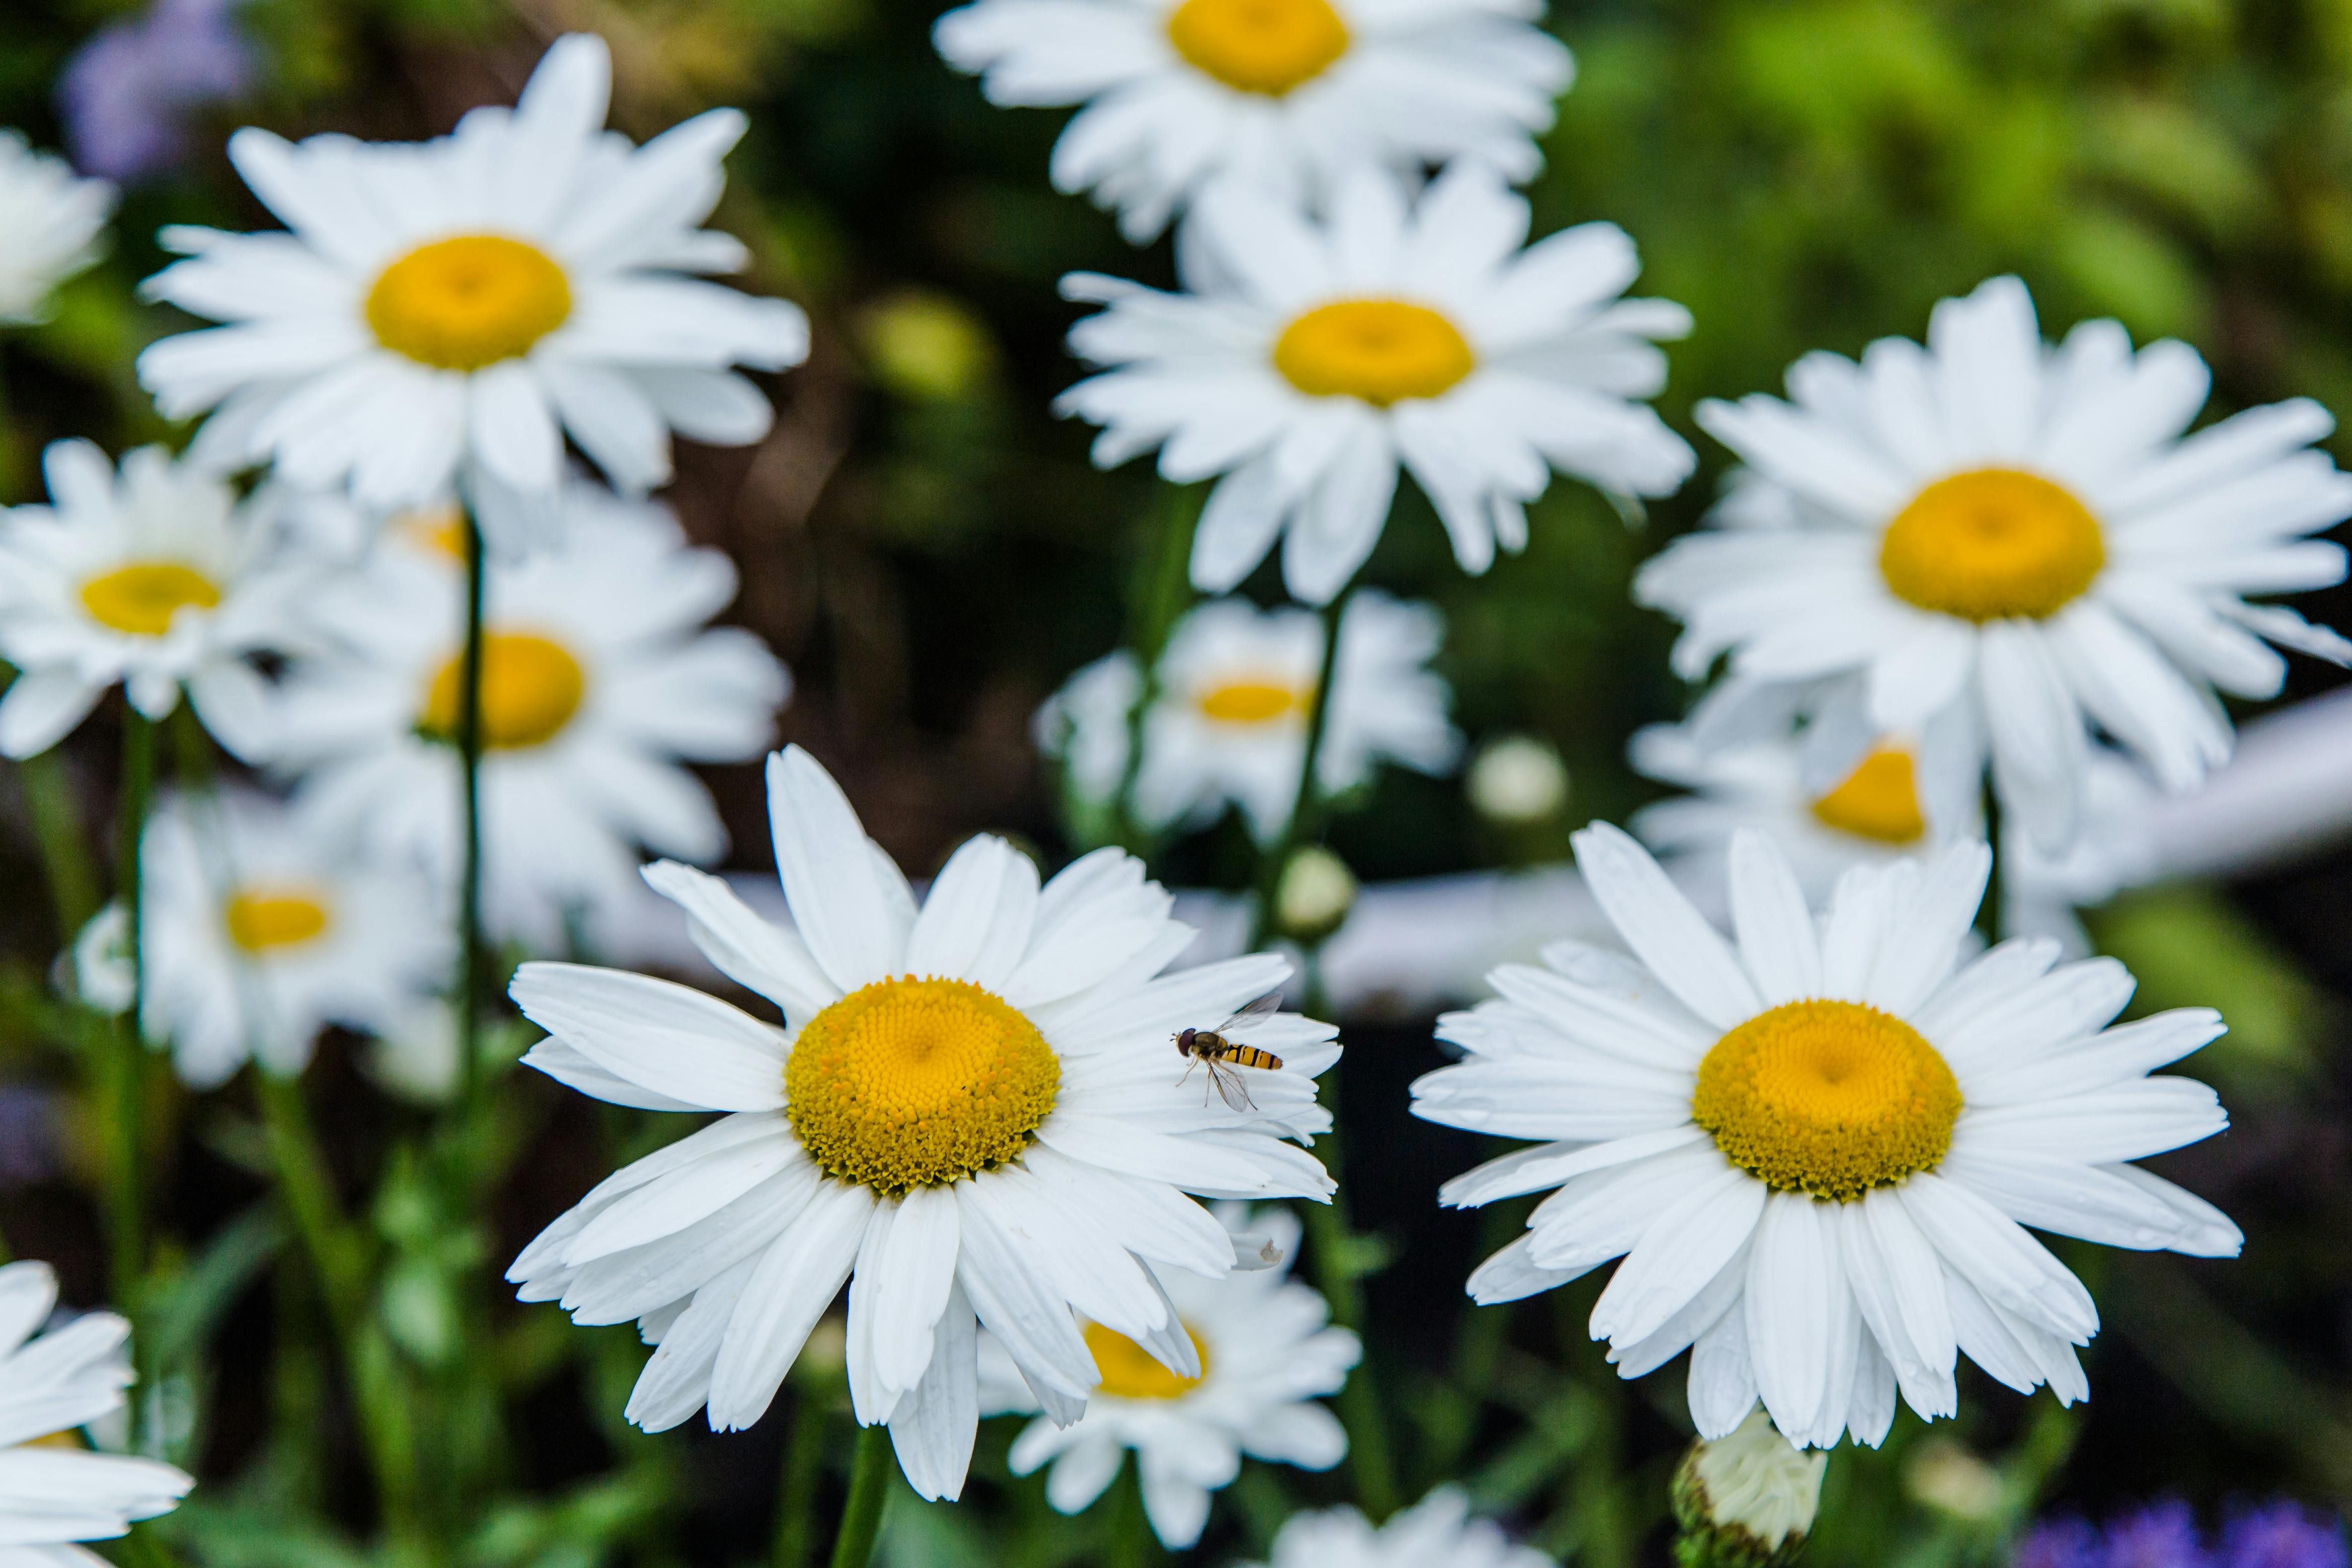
(870, 1490)
(338, 1257)
(65, 854)
(124, 1068)
(1163, 587)
(1305, 825)
(1331, 1244)
(803, 1462)
(1130, 1542)
(469, 748)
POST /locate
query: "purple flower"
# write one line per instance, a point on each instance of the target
(2162, 1535)
(2281, 1535)
(125, 92)
(2061, 1543)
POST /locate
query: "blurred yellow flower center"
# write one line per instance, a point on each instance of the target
(1827, 1098)
(1259, 46)
(909, 1082)
(467, 302)
(1260, 702)
(260, 919)
(1129, 1372)
(1992, 544)
(1878, 800)
(438, 530)
(70, 1437)
(1383, 351)
(142, 597)
(530, 689)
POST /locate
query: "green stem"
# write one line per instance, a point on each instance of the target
(869, 1488)
(126, 1065)
(803, 1462)
(469, 748)
(1333, 1247)
(1305, 825)
(65, 853)
(1162, 591)
(1132, 1544)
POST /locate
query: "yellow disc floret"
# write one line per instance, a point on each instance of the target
(1253, 702)
(467, 302)
(1129, 1372)
(261, 918)
(1879, 800)
(1992, 544)
(1827, 1098)
(1383, 351)
(1266, 47)
(909, 1082)
(142, 597)
(531, 687)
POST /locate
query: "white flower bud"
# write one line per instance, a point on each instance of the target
(1748, 1499)
(1315, 894)
(1518, 779)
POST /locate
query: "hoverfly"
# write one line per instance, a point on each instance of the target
(1210, 1047)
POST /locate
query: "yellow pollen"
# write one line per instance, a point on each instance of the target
(260, 919)
(1879, 800)
(469, 302)
(911, 1082)
(142, 597)
(1253, 702)
(1827, 1098)
(1383, 351)
(1259, 46)
(530, 689)
(1129, 1372)
(1992, 544)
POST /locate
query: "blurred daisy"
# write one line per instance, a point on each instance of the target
(52, 1493)
(1310, 359)
(599, 677)
(1288, 93)
(1435, 1533)
(51, 226)
(971, 1114)
(1228, 718)
(465, 303)
(259, 932)
(155, 577)
(2023, 529)
(1817, 1150)
(1266, 1353)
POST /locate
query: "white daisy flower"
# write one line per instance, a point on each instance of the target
(599, 677)
(462, 304)
(1228, 718)
(155, 578)
(2019, 528)
(1817, 1150)
(1435, 1533)
(54, 1494)
(52, 226)
(1310, 359)
(973, 1115)
(258, 932)
(1267, 1354)
(1288, 93)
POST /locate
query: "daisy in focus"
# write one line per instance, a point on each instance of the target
(258, 932)
(971, 1115)
(2024, 529)
(1288, 93)
(600, 676)
(1310, 359)
(154, 578)
(51, 227)
(439, 309)
(54, 1493)
(1817, 1149)
(1266, 1353)
(1234, 692)
(1435, 1533)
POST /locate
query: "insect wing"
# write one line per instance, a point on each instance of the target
(1230, 1087)
(1262, 1008)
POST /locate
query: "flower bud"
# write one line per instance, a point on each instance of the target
(1315, 894)
(1518, 779)
(1746, 1499)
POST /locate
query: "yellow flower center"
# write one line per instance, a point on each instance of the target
(142, 597)
(469, 302)
(1991, 544)
(1383, 351)
(1259, 46)
(1129, 1372)
(1878, 800)
(1827, 1098)
(910, 1082)
(530, 689)
(1253, 702)
(438, 530)
(260, 919)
